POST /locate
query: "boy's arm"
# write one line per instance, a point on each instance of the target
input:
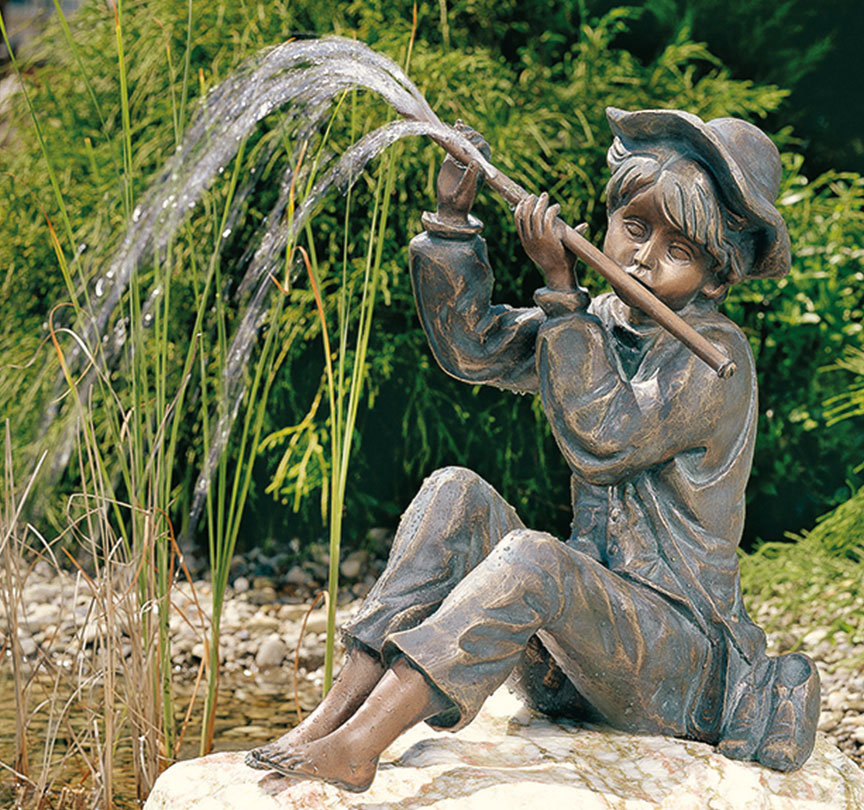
(472, 339)
(609, 427)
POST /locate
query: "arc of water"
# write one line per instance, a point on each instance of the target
(267, 262)
(302, 79)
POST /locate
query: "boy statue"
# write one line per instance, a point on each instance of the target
(635, 620)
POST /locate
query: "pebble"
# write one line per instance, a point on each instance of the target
(40, 593)
(297, 576)
(292, 613)
(241, 585)
(271, 652)
(28, 646)
(380, 536)
(43, 615)
(265, 595)
(813, 638)
(836, 700)
(354, 564)
(317, 623)
(261, 622)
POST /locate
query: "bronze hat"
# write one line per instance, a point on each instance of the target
(743, 161)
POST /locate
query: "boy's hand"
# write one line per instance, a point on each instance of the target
(458, 184)
(535, 224)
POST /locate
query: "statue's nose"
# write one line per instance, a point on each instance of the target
(644, 256)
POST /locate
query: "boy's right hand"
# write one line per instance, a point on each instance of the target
(457, 184)
(537, 228)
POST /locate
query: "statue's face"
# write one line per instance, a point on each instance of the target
(651, 249)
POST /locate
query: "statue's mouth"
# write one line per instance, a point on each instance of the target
(633, 275)
(623, 296)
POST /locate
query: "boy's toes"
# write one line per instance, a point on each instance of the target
(254, 760)
(742, 749)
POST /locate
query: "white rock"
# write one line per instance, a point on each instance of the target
(93, 630)
(494, 764)
(380, 534)
(43, 615)
(836, 701)
(271, 652)
(40, 592)
(297, 576)
(317, 622)
(261, 623)
(354, 564)
(814, 637)
(292, 613)
(27, 645)
(241, 584)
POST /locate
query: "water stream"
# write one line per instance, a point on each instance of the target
(302, 79)
(253, 709)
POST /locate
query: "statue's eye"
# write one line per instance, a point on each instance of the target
(681, 252)
(635, 227)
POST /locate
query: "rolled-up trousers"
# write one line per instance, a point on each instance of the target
(470, 596)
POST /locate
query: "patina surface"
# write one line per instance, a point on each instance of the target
(635, 619)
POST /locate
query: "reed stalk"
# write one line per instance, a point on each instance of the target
(342, 432)
(128, 539)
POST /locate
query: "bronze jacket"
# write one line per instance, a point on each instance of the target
(660, 448)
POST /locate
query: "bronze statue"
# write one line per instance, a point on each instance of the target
(636, 619)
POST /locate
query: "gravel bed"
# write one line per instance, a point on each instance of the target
(262, 617)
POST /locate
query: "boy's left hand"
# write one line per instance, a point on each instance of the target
(535, 224)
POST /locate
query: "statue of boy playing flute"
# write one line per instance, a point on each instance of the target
(636, 619)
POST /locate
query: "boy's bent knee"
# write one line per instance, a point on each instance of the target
(458, 475)
(457, 483)
(528, 544)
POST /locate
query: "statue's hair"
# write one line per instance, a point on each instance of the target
(689, 199)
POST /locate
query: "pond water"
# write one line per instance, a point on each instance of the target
(253, 708)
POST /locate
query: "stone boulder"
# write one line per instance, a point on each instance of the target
(508, 759)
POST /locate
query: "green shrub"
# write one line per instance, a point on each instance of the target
(544, 118)
(798, 328)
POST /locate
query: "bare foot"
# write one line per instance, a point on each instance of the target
(331, 759)
(358, 678)
(348, 756)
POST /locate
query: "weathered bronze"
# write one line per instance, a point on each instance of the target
(636, 619)
(624, 284)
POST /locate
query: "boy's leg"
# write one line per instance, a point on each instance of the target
(449, 527)
(604, 628)
(540, 683)
(358, 678)
(641, 663)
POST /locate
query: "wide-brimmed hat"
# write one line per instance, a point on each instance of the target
(740, 157)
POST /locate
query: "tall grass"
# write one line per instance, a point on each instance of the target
(130, 426)
(344, 383)
(82, 716)
(127, 429)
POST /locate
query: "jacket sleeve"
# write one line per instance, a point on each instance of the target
(472, 339)
(610, 427)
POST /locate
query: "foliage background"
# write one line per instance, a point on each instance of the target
(535, 78)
